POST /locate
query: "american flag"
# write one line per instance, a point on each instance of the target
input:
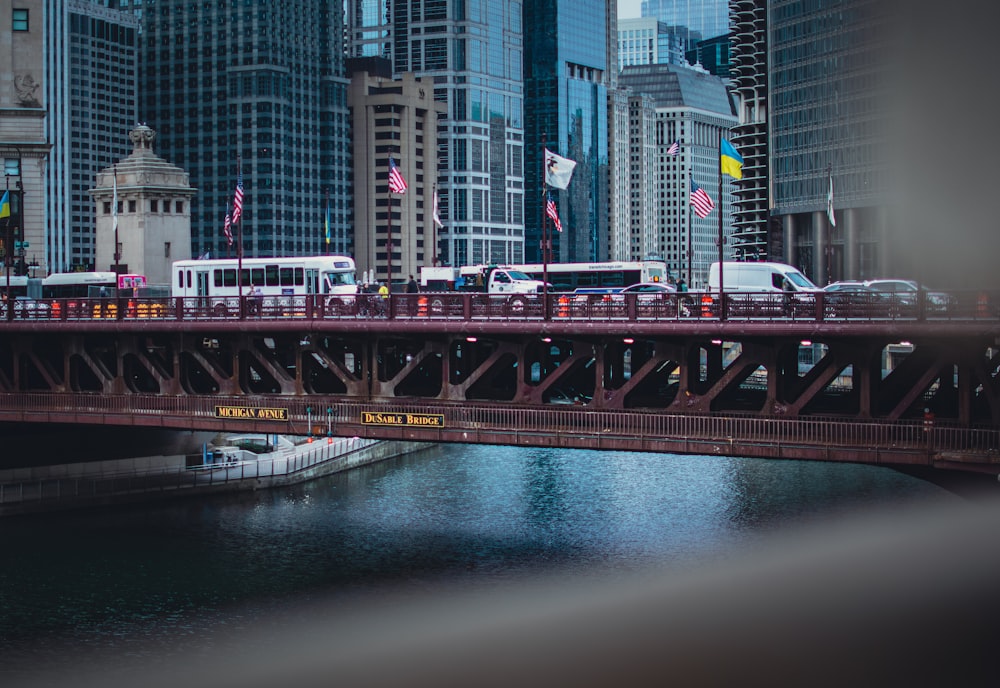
(396, 182)
(551, 211)
(674, 149)
(701, 201)
(226, 228)
(238, 198)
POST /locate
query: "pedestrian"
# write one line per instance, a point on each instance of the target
(682, 285)
(258, 298)
(383, 292)
(411, 286)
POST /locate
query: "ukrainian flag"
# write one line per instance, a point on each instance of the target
(5, 205)
(732, 162)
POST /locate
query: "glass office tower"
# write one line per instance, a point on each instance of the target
(90, 81)
(257, 88)
(473, 53)
(708, 18)
(569, 58)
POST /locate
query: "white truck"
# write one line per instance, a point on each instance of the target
(488, 279)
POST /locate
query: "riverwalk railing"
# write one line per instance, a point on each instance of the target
(94, 487)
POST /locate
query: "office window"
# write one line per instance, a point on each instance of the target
(12, 167)
(19, 20)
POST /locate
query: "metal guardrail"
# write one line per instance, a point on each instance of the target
(94, 487)
(820, 431)
(963, 306)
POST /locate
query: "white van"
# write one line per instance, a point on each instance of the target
(761, 277)
(762, 289)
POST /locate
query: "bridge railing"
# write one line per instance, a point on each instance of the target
(638, 425)
(94, 486)
(687, 306)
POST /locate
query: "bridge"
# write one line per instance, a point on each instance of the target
(692, 373)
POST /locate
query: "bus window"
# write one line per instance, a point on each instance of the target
(257, 276)
(271, 275)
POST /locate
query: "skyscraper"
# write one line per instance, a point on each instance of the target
(255, 88)
(90, 107)
(749, 78)
(570, 69)
(692, 109)
(473, 53)
(827, 114)
(706, 18)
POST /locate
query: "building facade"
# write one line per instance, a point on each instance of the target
(570, 66)
(693, 109)
(647, 40)
(705, 18)
(826, 71)
(90, 92)
(255, 90)
(473, 52)
(23, 146)
(394, 118)
(752, 239)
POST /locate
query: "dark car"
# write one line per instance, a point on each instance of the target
(904, 294)
(852, 299)
(651, 298)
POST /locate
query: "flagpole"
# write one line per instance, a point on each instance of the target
(7, 255)
(434, 211)
(545, 231)
(722, 309)
(690, 230)
(388, 238)
(326, 221)
(829, 229)
(114, 210)
(239, 244)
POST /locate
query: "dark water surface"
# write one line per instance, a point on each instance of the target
(163, 583)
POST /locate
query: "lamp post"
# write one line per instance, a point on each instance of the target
(8, 258)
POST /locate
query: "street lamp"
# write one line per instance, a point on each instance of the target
(12, 168)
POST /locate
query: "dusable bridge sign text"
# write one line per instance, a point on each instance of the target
(424, 420)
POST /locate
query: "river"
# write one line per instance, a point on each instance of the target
(155, 586)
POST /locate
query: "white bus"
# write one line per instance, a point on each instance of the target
(568, 277)
(293, 276)
(81, 285)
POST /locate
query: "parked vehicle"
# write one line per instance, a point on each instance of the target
(490, 279)
(849, 298)
(904, 294)
(762, 288)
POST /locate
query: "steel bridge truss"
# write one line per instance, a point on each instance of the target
(854, 378)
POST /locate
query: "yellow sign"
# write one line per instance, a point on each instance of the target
(424, 420)
(251, 413)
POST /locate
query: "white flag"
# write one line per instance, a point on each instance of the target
(558, 170)
(829, 204)
(436, 215)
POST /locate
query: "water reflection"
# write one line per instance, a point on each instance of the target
(153, 577)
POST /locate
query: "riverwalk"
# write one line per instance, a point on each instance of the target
(65, 486)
